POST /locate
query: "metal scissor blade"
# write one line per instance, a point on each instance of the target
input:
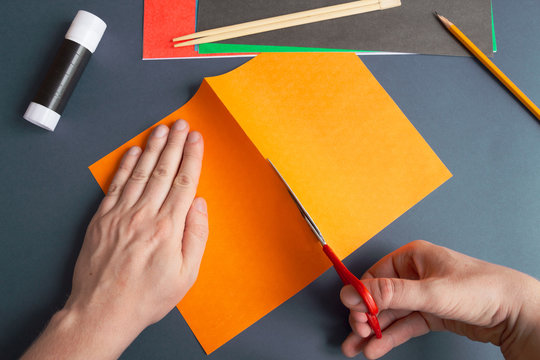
(300, 207)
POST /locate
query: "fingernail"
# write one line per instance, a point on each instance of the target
(135, 150)
(350, 296)
(160, 131)
(179, 125)
(193, 136)
(200, 204)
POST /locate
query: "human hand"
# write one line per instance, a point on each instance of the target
(422, 287)
(141, 252)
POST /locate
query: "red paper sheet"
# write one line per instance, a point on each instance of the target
(165, 20)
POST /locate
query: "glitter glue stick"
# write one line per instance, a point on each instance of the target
(80, 42)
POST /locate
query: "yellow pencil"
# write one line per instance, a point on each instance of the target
(490, 65)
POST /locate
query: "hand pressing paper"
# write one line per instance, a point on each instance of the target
(351, 156)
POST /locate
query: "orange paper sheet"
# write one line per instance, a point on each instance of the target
(348, 152)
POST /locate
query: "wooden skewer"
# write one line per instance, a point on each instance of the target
(276, 19)
(284, 21)
(490, 65)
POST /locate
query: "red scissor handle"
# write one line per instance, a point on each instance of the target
(348, 278)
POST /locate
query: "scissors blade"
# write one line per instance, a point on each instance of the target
(300, 207)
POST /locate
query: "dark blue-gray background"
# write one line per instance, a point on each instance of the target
(489, 209)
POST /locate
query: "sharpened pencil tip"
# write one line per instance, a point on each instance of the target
(444, 20)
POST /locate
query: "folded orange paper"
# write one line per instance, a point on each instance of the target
(353, 159)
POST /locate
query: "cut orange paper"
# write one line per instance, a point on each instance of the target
(351, 156)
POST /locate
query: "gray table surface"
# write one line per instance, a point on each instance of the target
(489, 209)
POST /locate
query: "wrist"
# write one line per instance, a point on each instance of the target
(76, 333)
(106, 327)
(521, 339)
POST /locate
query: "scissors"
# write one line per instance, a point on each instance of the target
(346, 276)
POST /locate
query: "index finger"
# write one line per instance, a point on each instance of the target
(407, 262)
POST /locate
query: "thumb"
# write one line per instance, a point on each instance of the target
(393, 293)
(195, 235)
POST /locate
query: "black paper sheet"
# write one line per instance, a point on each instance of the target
(410, 28)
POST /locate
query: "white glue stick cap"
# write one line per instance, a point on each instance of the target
(41, 116)
(86, 29)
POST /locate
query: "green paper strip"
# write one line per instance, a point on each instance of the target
(215, 48)
(493, 30)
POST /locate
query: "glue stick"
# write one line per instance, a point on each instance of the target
(81, 40)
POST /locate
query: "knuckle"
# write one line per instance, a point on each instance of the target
(161, 171)
(109, 220)
(387, 291)
(114, 189)
(419, 244)
(192, 156)
(163, 229)
(183, 180)
(176, 141)
(138, 218)
(199, 231)
(114, 221)
(139, 175)
(153, 146)
(125, 166)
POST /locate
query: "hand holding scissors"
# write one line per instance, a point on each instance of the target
(346, 276)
